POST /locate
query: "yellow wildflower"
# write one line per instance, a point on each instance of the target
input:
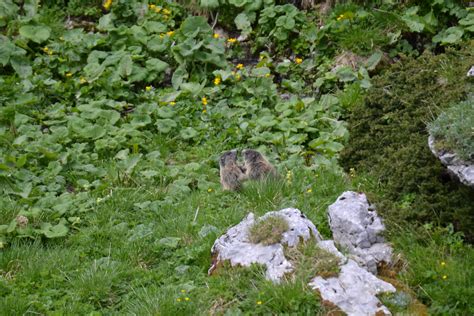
(215, 35)
(443, 263)
(183, 291)
(267, 75)
(166, 12)
(259, 302)
(232, 40)
(217, 80)
(261, 57)
(45, 49)
(148, 88)
(209, 190)
(298, 60)
(204, 111)
(204, 100)
(340, 17)
(157, 10)
(352, 172)
(172, 103)
(152, 6)
(309, 190)
(186, 298)
(82, 80)
(445, 277)
(68, 74)
(289, 176)
(240, 66)
(178, 300)
(107, 4)
(170, 33)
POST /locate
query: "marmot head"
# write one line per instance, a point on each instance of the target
(251, 155)
(228, 157)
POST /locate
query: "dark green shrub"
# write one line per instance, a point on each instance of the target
(388, 139)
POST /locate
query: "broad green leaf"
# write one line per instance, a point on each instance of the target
(192, 87)
(36, 33)
(93, 71)
(156, 65)
(170, 242)
(157, 44)
(373, 60)
(140, 120)
(126, 66)
(211, 4)
(239, 3)
(21, 65)
(106, 22)
(188, 133)
(179, 75)
(155, 27)
(165, 125)
(260, 71)
(267, 121)
(8, 10)
(242, 22)
(166, 112)
(449, 36)
(193, 24)
(50, 231)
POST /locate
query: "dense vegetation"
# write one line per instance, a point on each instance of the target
(388, 138)
(113, 115)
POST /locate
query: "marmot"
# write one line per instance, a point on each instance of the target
(231, 173)
(257, 166)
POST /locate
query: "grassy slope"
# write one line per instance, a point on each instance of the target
(120, 262)
(130, 256)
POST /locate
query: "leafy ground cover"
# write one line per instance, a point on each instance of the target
(112, 119)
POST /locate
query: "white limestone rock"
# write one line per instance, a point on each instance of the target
(235, 246)
(460, 169)
(356, 227)
(353, 291)
(470, 73)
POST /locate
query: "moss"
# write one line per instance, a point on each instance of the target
(454, 129)
(388, 139)
(268, 231)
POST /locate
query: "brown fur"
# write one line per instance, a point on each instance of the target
(257, 166)
(231, 173)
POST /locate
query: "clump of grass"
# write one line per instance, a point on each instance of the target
(310, 260)
(453, 129)
(268, 231)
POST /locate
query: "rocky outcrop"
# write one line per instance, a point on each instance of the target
(235, 246)
(458, 168)
(357, 228)
(354, 290)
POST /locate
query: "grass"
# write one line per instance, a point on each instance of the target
(268, 231)
(310, 260)
(129, 258)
